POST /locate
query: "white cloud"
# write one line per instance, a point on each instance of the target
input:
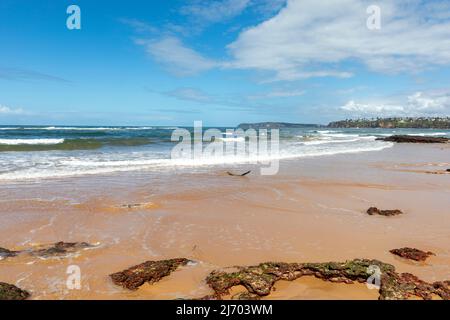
(138, 25)
(430, 102)
(372, 108)
(417, 104)
(215, 11)
(309, 38)
(278, 94)
(8, 111)
(178, 58)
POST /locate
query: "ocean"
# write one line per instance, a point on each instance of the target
(45, 152)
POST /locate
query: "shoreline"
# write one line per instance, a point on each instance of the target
(312, 211)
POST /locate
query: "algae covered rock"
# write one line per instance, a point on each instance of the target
(412, 253)
(259, 280)
(11, 292)
(414, 139)
(373, 210)
(150, 271)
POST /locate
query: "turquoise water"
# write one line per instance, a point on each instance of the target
(37, 152)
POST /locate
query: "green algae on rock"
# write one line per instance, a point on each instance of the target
(149, 271)
(412, 253)
(11, 292)
(259, 280)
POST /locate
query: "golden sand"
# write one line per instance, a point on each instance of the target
(312, 211)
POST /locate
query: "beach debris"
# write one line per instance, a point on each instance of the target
(59, 249)
(238, 174)
(413, 139)
(146, 205)
(11, 292)
(259, 280)
(374, 210)
(149, 271)
(412, 253)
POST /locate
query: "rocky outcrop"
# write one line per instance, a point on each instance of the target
(259, 280)
(373, 211)
(59, 249)
(412, 253)
(150, 271)
(11, 292)
(414, 139)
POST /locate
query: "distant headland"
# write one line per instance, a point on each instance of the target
(406, 122)
(410, 122)
(276, 125)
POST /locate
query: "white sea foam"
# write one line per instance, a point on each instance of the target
(54, 128)
(428, 134)
(59, 167)
(236, 139)
(30, 141)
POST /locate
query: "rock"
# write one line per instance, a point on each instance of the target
(259, 280)
(61, 249)
(5, 253)
(448, 170)
(150, 271)
(373, 210)
(11, 292)
(414, 139)
(412, 253)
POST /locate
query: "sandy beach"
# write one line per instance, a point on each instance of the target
(313, 210)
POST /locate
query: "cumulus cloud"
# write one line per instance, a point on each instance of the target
(372, 108)
(9, 111)
(178, 58)
(435, 103)
(309, 38)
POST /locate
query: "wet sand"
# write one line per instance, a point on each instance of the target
(312, 211)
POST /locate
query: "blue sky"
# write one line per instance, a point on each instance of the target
(221, 61)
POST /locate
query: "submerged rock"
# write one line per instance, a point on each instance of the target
(5, 253)
(11, 292)
(259, 280)
(412, 253)
(59, 249)
(150, 271)
(373, 210)
(414, 139)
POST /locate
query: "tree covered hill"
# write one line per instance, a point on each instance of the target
(422, 122)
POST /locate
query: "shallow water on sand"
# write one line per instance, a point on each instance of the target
(312, 211)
